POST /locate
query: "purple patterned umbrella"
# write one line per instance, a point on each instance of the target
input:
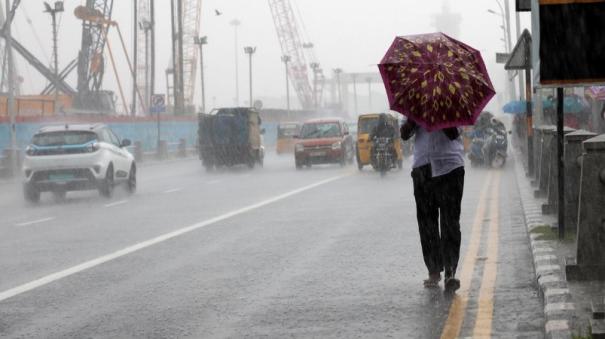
(435, 80)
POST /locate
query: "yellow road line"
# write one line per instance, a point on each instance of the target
(485, 311)
(458, 307)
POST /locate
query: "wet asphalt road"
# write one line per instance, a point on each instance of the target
(272, 252)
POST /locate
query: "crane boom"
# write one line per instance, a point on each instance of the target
(292, 46)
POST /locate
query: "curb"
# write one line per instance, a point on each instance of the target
(558, 307)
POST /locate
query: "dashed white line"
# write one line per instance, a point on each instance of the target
(121, 202)
(148, 243)
(33, 222)
(174, 190)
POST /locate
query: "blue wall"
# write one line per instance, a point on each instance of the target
(145, 132)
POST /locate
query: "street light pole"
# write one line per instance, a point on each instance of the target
(338, 72)
(201, 41)
(315, 68)
(286, 59)
(11, 95)
(504, 13)
(53, 14)
(250, 51)
(369, 80)
(236, 23)
(146, 26)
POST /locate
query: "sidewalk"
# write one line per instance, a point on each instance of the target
(567, 305)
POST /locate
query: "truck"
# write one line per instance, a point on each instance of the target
(229, 137)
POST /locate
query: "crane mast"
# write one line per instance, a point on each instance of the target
(292, 45)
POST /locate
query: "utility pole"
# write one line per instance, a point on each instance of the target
(53, 14)
(236, 23)
(135, 52)
(286, 59)
(510, 44)
(152, 47)
(315, 68)
(250, 50)
(201, 41)
(355, 92)
(338, 72)
(11, 95)
(369, 80)
(519, 78)
(177, 56)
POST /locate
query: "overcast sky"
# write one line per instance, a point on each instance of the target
(348, 34)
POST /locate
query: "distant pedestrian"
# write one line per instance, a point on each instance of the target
(438, 176)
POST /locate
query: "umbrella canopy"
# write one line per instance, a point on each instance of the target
(520, 106)
(596, 93)
(435, 80)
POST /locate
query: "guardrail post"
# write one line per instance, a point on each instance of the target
(182, 150)
(163, 150)
(590, 261)
(573, 163)
(552, 205)
(138, 151)
(548, 132)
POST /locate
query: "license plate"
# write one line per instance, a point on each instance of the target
(318, 154)
(60, 177)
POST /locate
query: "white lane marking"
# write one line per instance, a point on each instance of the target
(147, 243)
(173, 190)
(213, 182)
(121, 202)
(39, 221)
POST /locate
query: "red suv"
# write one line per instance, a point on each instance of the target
(324, 141)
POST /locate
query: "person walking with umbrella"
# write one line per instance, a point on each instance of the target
(440, 84)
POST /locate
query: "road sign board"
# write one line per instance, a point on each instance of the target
(158, 103)
(502, 58)
(521, 56)
(523, 5)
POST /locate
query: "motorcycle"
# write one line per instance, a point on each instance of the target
(382, 155)
(490, 149)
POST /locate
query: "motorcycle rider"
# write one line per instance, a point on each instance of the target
(384, 129)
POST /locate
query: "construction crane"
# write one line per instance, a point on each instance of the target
(181, 75)
(91, 63)
(145, 48)
(293, 45)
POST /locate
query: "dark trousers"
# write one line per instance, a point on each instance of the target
(438, 203)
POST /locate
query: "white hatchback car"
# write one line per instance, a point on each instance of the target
(77, 157)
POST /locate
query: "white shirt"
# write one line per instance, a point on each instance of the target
(437, 149)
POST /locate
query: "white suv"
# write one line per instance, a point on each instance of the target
(77, 157)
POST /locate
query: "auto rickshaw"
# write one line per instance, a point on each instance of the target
(285, 137)
(365, 125)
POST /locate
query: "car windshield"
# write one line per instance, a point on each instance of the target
(367, 125)
(288, 131)
(320, 130)
(63, 138)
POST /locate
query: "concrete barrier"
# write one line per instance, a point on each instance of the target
(572, 158)
(547, 133)
(589, 263)
(553, 174)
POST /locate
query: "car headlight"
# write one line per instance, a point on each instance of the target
(336, 145)
(30, 151)
(299, 147)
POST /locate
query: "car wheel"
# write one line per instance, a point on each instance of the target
(31, 193)
(106, 188)
(132, 180)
